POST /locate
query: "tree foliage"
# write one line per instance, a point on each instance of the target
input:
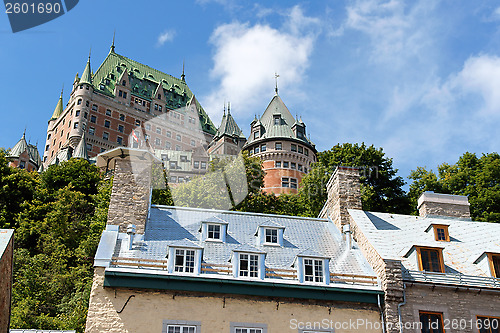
(381, 189)
(59, 218)
(476, 177)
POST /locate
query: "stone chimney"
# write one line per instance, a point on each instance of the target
(344, 192)
(131, 192)
(437, 204)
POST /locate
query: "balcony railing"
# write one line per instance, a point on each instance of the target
(451, 279)
(226, 269)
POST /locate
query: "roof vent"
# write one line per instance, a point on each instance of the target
(437, 204)
(131, 233)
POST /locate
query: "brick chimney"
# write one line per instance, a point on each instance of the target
(131, 192)
(437, 204)
(344, 192)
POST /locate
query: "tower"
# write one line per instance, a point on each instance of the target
(229, 138)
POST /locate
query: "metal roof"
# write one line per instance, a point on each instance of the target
(168, 225)
(394, 235)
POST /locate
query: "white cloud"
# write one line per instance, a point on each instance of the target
(166, 36)
(247, 56)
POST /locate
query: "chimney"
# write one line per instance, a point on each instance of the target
(437, 204)
(132, 180)
(344, 192)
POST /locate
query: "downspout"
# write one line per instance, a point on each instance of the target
(381, 313)
(399, 309)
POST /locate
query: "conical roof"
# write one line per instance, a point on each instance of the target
(228, 127)
(20, 147)
(81, 149)
(59, 108)
(87, 74)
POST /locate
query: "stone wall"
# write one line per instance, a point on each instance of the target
(6, 262)
(344, 192)
(146, 311)
(441, 209)
(130, 196)
(459, 306)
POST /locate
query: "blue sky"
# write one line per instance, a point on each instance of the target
(419, 78)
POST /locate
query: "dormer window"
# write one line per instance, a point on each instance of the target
(270, 233)
(430, 259)
(494, 260)
(312, 267)
(440, 232)
(215, 229)
(256, 135)
(184, 256)
(248, 262)
(249, 265)
(277, 119)
(184, 261)
(313, 270)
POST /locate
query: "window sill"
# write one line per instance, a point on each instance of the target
(212, 240)
(271, 244)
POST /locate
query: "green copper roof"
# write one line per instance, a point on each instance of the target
(228, 127)
(87, 74)
(283, 129)
(59, 108)
(22, 146)
(143, 82)
(81, 150)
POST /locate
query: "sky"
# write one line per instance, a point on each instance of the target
(419, 78)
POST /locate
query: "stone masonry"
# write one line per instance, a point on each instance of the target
(130, 196)
(437, 204)
(6, 262)
(344, 192)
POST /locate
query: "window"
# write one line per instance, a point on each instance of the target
(271, 236)
(430, 260)
(313, 270)
(203, 165)
(89, 146)
(196, 164)
(173, 165)
(441, 232)
(107, 123)
(158, 141)
(105, 136)
(181, 329)
(91, 130)
(158, 130)
(169, 134)
(93, 119)
(85, 115)
(124, 94)
(277, 120)
(168, 145)
(494, 264)
(75, 125)
(294, 147)
(79, 102)
(119, 140)
(22, 164)
(181, 179)
(306, 152)
(87, 103)
(77, 113)
(285, 164)
(124, 83)
(263, 148)
(178, 137)
(432, 322)
(122, 117)
(101, 86)
(181, 326)
(156, 106)
(108, 112)
(173, 179)
(249, 265)
(94, 107)
(247, 328)
(184, 261)
(256, 150)
(177, 148)
(120, 128)
(193, 143)
(120, 93)
(103, 150)
(277, 164)
(47, 147)
(293, 165)
(184, 158)
(256, 135)
(137, 122)
(301, 150)
(148, 127)
(213, 231)
(300, 168)
(293, 183)
(488, 324)
(278, 146)
(285, 182)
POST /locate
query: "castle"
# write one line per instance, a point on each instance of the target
(125, 103)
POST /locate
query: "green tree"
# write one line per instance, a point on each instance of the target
(476, 177)
(381, 188)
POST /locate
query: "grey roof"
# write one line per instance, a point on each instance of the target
(228, 127)
(167, 225)
(21, 146)
(394, 235)
(269, 223)
(283, 130)
(81, 149)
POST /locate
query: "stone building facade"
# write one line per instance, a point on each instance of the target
(280, 141)
(202, 270)
(6, 268)
(440, 272)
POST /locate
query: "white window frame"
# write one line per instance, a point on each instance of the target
(274, 230)
(235, 327)
(252, 265)
(315, 276)
(184, 267)
(183, 324)
(214, 232)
